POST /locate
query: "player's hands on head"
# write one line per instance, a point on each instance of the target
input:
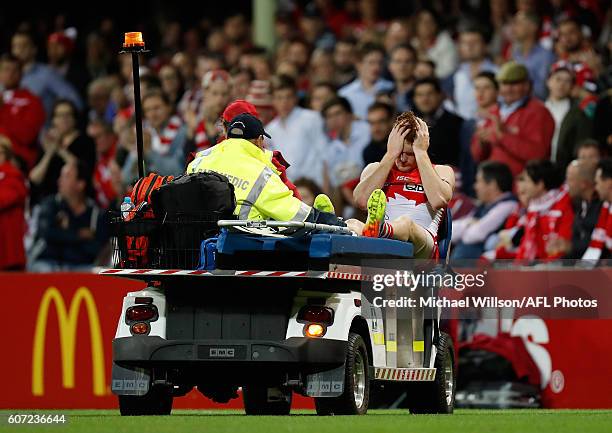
(421, 140)
(395, 142)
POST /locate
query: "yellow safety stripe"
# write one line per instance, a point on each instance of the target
(379, 338)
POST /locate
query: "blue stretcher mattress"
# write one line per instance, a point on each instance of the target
(316, 246)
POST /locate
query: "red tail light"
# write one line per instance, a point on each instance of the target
(140, 313)
(316, 314)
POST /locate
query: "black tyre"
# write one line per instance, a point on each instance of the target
(158, 401)
(437, 396)
(355, 398)
(261, 400)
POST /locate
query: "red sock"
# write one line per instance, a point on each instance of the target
(386, 231)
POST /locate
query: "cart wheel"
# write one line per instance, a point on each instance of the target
(261, 400)
(355, 398)
(158, 401)
(437, 396)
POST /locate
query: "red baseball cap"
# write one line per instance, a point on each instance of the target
(239, 106)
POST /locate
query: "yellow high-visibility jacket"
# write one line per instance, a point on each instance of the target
(260, 192)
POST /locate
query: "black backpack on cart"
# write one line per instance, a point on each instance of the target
(189, 208)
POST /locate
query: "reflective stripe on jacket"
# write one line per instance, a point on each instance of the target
(260, 192)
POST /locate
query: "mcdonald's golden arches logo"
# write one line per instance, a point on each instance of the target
(67, 321)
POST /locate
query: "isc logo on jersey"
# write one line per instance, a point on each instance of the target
(413, 187)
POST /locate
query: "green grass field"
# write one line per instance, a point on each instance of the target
(377, 421)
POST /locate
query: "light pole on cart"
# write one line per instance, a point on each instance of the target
(134, 44)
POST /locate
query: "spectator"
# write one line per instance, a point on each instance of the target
(107, 181)
(260, 95)
(473, 52)
(574, 47)
(99, 93)
(236, 30)
(171, 83)
(500, 20)
(589, 151)
(97, 56)
(344, 61)
(504, 244)
(241, 81)
(520, 129)
(361, 93)
(256, 60)
(320, 94)
(204, 131)
(314, 30)
(402, 61)
(296, 132)
(39, 78)
(444, 126)
(186, 67)
(496, 203)
(60, 50)
(486, 90)
(21, 113)
(13, 196)
(398, 33)
(600, 246)
(321, 67)
(580, 179)
(527, 50)
(308, 190)
(298, 54)
(435, 44)
(166, 153)
(585, 89)
(571, 124)
(192, 98)
(350, 136)
(549, 217)
(70, 226)
(485, 94)
(424, 68)
(62, 142)
(380, 117)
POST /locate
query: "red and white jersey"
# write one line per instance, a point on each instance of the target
(406, 197)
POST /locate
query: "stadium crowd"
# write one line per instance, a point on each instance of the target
(516, 95)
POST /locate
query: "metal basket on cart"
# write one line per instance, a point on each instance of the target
(171, 242)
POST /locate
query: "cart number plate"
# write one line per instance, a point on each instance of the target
(221, 352)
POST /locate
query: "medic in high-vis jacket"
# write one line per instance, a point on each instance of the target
(260, 192)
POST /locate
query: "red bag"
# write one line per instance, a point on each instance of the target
(138, 246)
(144, 187)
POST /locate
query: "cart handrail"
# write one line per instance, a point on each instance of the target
(261, 224)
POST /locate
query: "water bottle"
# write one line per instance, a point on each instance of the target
(126, 208)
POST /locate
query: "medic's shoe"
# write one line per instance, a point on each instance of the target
(377, 204)
(323, 203)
